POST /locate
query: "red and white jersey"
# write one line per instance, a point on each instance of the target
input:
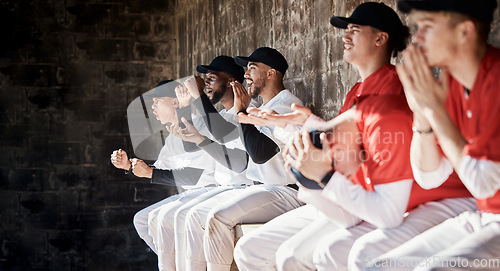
(384, 81)
(476, 113)
(385, 122)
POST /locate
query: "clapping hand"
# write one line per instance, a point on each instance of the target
(190, 133)
(423, 92)
(141, 169)
(241, 97)
(267, 117)
(257, 117)
(301, 154)
(120, 160)
(183, 96)
(195, 86)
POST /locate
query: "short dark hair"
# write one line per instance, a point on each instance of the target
(398, 43)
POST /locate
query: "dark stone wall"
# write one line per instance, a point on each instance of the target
(68, 70)
(300, 30)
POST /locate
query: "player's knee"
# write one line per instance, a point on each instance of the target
(180, 216)
(192, 217)
(285, 259)
(242, 249)
(222, 218)
(286, 263)
(166, 218)
(239, 252)
(361, 253)
(140, 219)
(326, 258)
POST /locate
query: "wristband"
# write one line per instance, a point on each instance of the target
(416, 130)
(127, 171)
(324, 181)
(244, 111)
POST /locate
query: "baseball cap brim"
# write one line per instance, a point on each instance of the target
(163, 89)
(206, 68)
(342, 22)
(243, 60)
(407, 6)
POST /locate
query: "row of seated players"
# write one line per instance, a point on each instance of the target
(409, 163)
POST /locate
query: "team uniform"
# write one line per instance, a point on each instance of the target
(258, 249)
(471, 235)
(173, 158)
(209, 225)
(268, 245)
(167, 224)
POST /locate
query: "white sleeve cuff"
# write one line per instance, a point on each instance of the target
(435, 178)
(330, 190)
(313, 121)
(481, 177)
(390, 200)
(335, 213)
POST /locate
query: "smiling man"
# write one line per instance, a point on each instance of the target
(324, 234)
(209, 225)
(193, 171)
(229, 154)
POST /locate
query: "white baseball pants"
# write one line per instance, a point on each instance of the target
(210, 224)
(300, 247)
(141, 217)
(180, 223)
(470, 241)
(257, 249)
(267, 248)
(164, 220)
(420, 219)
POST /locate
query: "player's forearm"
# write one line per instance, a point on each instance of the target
(449, 137)
(435, 178)
(233, 159)
(314, 121)
(258, 146)
(332, 210)
(383, 207)
(481, 177)
(221, 129)
(176, 177)
(424, 153)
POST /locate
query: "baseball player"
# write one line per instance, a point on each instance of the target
(230, 155)
(457, 122)
(209, 225)
(174, 166)
(368, 46)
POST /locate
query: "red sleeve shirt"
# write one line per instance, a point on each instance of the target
(385, 122)
(477, 116)
(384, 81)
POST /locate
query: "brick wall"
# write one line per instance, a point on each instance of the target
(68, 70)
(300, 30)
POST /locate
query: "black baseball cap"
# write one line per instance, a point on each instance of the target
(223, 64)
(165, 88)
(269, 56)
(373, 14)
(481, 9)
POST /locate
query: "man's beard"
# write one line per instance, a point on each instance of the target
(258, 89)
(217, 95)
